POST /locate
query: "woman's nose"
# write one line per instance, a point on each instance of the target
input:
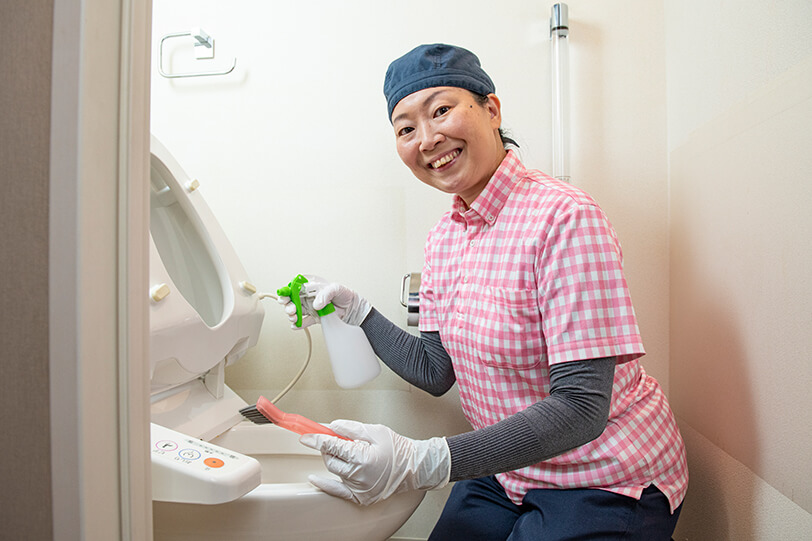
(429, 139)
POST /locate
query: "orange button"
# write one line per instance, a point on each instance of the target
(213, 463)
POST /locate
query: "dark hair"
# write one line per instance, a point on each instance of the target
(482, 99)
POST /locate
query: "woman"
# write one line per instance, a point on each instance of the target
(524, 305)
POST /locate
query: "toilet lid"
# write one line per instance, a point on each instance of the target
(202, 315)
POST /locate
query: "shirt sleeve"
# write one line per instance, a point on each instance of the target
(588, 312)
(422, 361)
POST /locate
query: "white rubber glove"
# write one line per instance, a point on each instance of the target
(379, 463)
(351, 308)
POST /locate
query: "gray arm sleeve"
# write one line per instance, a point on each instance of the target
(422, 361)
(575, 413)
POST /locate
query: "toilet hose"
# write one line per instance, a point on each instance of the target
(304, 364)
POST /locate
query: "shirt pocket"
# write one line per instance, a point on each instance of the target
(504, 326)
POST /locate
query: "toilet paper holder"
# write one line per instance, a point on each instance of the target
(410, 297)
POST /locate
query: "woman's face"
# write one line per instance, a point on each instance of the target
(449, 140)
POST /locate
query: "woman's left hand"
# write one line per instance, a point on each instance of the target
(378, 463)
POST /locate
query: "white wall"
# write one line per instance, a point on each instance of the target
(739, 117)
(296, 158)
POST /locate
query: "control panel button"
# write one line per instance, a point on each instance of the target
(166, 445)
(189, 454)
(213, 462)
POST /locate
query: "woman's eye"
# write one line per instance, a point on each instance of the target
(442, 110)
(405, 131)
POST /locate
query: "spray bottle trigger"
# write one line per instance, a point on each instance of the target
(293, 290)
(309, 291)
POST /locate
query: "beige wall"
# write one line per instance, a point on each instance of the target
(739, 117)
(25, 99)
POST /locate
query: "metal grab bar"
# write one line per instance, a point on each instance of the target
(204, 48)
(410, 297)
(559, 32)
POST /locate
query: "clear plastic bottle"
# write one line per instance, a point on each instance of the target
(351, 356)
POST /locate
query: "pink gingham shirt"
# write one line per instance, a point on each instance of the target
(528, 277)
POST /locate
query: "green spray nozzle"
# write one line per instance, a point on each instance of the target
(294, 291)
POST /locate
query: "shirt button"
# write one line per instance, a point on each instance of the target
(472, 243)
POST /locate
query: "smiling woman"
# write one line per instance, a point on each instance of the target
(524, 305)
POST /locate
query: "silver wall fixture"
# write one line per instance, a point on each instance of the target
(559, 32)
(203, 50)
(410, 297)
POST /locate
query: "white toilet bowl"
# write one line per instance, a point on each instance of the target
(204, 315)
(285, 507)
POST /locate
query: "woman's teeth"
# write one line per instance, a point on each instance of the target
(444, 160)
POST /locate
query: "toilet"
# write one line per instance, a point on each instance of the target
(215, 475)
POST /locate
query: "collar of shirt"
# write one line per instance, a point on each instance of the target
(487, 206)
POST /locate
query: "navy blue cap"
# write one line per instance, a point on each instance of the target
(428, 66)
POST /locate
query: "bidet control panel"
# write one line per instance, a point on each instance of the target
(189, 470)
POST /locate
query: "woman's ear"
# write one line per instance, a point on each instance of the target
(494, 107)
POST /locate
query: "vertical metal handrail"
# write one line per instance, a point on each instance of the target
(559, 32)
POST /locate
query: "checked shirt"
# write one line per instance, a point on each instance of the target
(531, 276)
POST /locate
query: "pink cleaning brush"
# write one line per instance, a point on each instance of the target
(265, 412)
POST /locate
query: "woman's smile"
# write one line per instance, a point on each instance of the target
(445, 160)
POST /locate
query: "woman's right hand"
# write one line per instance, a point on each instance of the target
(317, 293)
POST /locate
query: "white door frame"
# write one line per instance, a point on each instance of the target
(98, 270)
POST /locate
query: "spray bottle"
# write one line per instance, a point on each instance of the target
(351, 356)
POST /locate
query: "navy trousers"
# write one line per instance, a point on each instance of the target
(479, 510)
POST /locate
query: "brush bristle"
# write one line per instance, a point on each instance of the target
(254, 415)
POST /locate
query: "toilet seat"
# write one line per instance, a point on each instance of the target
(204, 312)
